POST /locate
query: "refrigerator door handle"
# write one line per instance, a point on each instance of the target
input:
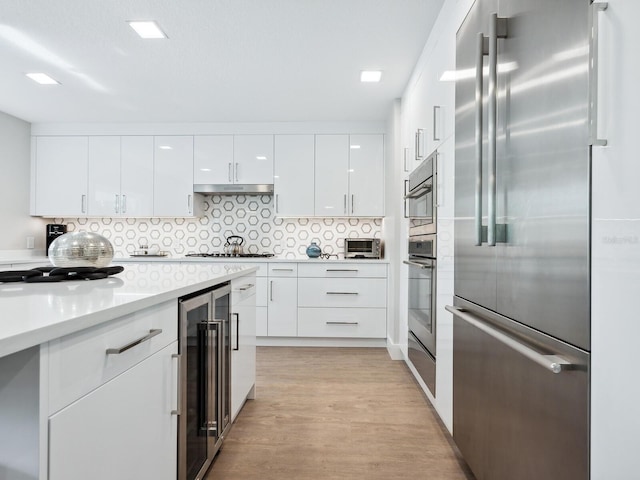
(593, 74)
(480, 53)
(497, 29)
(553, 363)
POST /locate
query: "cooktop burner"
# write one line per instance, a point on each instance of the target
(56, 274)
(226, 255)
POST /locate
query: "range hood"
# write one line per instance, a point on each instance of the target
(234, 189)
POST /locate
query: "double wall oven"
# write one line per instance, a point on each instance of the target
(420, 208)
(205, 396)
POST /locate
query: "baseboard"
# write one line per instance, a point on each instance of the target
(319, 342)
(395, 350)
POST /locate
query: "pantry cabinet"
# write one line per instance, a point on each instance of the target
(294, 175)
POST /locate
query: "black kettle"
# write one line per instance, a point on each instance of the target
(233, 245)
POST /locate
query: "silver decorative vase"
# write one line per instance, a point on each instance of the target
(80, 249)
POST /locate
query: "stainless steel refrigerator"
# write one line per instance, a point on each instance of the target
(522, 230)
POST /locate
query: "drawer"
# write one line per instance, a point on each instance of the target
(79, 363)
(342, 292)
(337, 270)
(262, 271)
(283, 269)
(243, 288)
(333, 322)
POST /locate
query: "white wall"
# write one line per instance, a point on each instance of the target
(15, 165)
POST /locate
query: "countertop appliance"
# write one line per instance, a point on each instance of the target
(362, 248)
(54, 230)
(420, 197)
(521, 309)
(422, 307)
(205, 392)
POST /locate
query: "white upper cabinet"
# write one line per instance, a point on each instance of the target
(349, 174)
(173, 177)
(294, 175)
(136, 176)
(253, 159)
(213, 161)
(331, 175)
(103, 193)
(366, 175)
(61, 176)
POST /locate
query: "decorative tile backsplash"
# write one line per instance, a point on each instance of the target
(250, 216)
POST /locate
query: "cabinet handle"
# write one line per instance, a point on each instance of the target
(271, 290)
(276, 203)
(436, 123)
(230, 172)
(237, 168)
(480, 53)
(83, 204)
(406, 152)
(341, 323)
(189, 203)
(117, 351)
(237, 315)
(419, 144)
(124, 204)
(245, 287)
(345, 203)
(117, 202)
(342, 293)
(342, 269)
(593, 74)
(178, 410)
(352, 203)
(282, 269)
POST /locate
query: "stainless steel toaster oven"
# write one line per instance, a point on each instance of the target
(362, 248)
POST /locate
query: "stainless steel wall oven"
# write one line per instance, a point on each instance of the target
(205, 391)
(422, 307)
(420, 197)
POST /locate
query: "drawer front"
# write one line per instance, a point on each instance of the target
(337, 270)
(283, 269)
(351, 322)
(243, 288)
(79, 363)
(263, 268)
(342, 292)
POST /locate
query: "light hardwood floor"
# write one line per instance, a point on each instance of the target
(336, 413)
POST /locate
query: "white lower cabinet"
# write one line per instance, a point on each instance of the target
(283, 300)
(123, 429)
(243, 341)
(342, 322)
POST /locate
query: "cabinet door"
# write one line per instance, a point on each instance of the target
(103, 193)
(283, 307)
(253, 159)
(243, 341)
(366, 176)
(61, 176)
(331, 175)
(294, 175)
(173, 176)
(213, 159)
(123, 429)
(136, 176)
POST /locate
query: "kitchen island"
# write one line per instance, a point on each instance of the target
(51, 376)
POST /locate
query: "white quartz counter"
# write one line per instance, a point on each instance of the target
(244, 260)
(31, 314)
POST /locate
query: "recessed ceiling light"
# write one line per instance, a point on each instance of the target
(205, 169)
(165, 147)
(42, 79)
(148, 29)
(370, 75)
(355, 147)
(261, 157)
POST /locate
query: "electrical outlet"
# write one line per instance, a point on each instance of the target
(31, 242)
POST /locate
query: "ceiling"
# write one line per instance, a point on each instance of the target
(224, 60)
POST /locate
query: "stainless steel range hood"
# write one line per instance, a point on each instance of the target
(235, 189)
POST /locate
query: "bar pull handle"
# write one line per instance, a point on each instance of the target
(83, 203)
(406, 199)
(117, 351)
(282, 269)
(230, 180)
(277, 203)
(419, 265)
(553, 363)
(237, 315)
(271, 290)
(352, 202)
(345, 203)
(237, 168)
(341, 269)
(480, 52)
(419, 144)
(341, 323)
(497, 29)
(178, 409)
(190, 204)
(342, 293)
(124, 204)
(406, 154)
(117, 202)
(593, 74)
(243, 288)
(436, 123)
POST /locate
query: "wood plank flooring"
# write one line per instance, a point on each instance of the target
(336, 413)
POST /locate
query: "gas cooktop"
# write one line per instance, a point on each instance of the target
(230, 255)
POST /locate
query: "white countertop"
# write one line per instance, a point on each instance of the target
(244, 260)
(31, 314)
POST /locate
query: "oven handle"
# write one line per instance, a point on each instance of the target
(420, 265)
(417, 191)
